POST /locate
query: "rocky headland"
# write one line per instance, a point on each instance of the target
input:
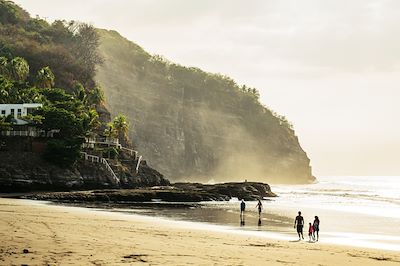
(188, 124)
(195, 126)
(179, 192)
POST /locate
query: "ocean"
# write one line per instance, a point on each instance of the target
(356, 211)
(362, 211)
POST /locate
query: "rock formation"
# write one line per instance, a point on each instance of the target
(181, 192)
(27, 171)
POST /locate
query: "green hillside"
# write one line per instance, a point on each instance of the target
(53, 65)
(197, 126)
(48, 64)
(69, 48)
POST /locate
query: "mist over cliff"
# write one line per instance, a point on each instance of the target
(197, 126)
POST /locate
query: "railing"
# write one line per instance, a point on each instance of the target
(97, 159)
(110, 141)
(130, 151)
(104, 161)
(138, 164)
(92, 158)
(12, 133)
(29, 133)
(91, 142)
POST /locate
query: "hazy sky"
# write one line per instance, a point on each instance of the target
(332, 67)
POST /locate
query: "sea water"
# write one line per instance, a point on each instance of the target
(358, 211)
(364, 211)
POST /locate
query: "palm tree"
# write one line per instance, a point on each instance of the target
(80, 93)
(3, 95)
(45, 78)
(5, 86)
(4, 66)
(91, 121)
(110, 131)
(121, 126)
(96, 96)
(18, 69)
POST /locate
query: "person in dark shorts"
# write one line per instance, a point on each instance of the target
(299, 223)
(316, 228)
(242, 209)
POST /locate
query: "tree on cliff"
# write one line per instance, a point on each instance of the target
(110, 131)
(80, 93)
(19, 69)
(96, 96)
(74, 120)
(45, 78)
(5, 87)
(121, 126)
(3, 66)
(16, 69)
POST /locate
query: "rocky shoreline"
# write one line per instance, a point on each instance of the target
(28, 171)
(179, 192)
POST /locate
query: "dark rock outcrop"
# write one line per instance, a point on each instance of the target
(180, 192)
(244, 190)
(27, 171)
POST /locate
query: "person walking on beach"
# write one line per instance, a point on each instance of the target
(299, 222)
(316, 228)
(310, 232)
(259, 206)
(242, 209)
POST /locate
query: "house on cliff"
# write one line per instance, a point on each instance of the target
(18, 125)
(17, 111)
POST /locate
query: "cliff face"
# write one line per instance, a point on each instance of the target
(27, 171)
(197, 126)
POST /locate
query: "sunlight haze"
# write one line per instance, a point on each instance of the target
(331, 67)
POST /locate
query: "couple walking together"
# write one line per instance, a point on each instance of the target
(313, 230)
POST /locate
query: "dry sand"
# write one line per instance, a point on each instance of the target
(57, 235)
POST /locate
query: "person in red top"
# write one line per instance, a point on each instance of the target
(311, 231)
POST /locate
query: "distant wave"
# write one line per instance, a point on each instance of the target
(347, 194)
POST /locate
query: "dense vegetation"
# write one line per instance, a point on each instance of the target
(62, 57)
(68, 48)
(68, 113)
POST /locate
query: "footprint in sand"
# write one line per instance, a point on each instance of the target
(136, 257)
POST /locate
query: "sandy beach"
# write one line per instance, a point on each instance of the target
(57, 235)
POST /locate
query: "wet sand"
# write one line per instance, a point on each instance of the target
(58, 235)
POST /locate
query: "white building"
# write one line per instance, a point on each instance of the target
(18, 110)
